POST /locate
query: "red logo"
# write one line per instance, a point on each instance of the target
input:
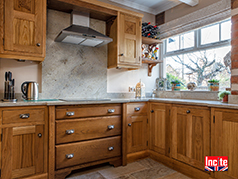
(216, 163)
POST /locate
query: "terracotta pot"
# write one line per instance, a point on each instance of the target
(213, 86)
(225, 99)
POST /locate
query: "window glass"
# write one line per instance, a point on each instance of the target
(226, 30)
(210, 34)
(187, 40)
(173, 44)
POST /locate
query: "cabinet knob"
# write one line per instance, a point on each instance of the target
(71, 131)
(137, 109)
(152, 111)
(110, 127)
(38, 44)
(69, 156)
(111, 110)
(24, 116)
(110, 148)
(40, 135)
(121, 54)
(129, 124)
(69, 113)
(188, 111)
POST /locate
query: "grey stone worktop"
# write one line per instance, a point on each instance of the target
(206, 103)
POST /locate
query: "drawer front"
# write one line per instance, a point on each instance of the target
(84, 152)
(23, 115)
(137, 109)
(87, 111)
(87, 128)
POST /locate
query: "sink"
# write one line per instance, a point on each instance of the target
(85, 100)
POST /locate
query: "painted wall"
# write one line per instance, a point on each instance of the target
(184, 9)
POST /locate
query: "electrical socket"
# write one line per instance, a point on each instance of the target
(131, 89)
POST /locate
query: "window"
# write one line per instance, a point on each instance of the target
(198, 56)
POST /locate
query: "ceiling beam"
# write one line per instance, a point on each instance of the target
(190, 2)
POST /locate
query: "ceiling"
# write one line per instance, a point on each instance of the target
(151, 6)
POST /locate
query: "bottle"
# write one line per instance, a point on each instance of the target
(140, 90)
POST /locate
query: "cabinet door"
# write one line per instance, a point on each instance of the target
(136, 133)
(24, 26)
(129, 40)
(22, 151)
(190, 135)
(160, 128)
(225, 140)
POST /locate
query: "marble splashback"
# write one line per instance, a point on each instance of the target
(72, 70)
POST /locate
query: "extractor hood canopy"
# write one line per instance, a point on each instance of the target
(80, 33)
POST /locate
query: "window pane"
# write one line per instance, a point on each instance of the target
(173, 43)
(210, 34)
(187, 40)
(226, 30)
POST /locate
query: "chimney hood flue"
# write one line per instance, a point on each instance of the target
(79, 33)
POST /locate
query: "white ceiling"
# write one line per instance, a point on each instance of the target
(151, 6)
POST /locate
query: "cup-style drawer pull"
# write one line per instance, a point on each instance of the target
(137, 109)
(111, 110)
(24, 116)
(69, 156)
(110, 127)
(110, 148)
(69, 113)
(71, 131)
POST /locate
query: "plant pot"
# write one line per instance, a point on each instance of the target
(213, 86)
(225, 99)
(176, 87)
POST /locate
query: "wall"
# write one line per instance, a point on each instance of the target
(184, 9)
(79, 71)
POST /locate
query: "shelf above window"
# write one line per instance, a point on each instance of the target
(151, 41)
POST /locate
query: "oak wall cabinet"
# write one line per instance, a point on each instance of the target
(125, 50)
(23, 29)
(24, 142)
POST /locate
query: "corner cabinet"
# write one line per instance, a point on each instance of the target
(23, 29)
(224, 136)
(190, 134)
(125, 50)
(24, 142)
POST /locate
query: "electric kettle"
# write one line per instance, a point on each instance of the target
(30, 90)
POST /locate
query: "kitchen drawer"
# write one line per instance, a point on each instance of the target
(23, 115)
(84, 152)
(67, 112)
(87, 128)
(137, 109)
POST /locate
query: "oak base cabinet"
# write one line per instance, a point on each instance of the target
(224, 125)
(190, 134)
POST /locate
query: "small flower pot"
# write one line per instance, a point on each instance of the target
(176, 87)
(213, 86)
(225, 99)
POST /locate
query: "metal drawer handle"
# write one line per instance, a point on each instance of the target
(71, 131)
(129, 124)
(110, 148)
(69, 156)
(111, 110)
(188, 111)
(110, 127)
(69, 113)
(137, 109)
(24, 116)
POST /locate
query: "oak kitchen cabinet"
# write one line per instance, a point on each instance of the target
(159, 126)
(23, 29)
(24, 142)
(224, 127)
(190, 134)
(125, 50)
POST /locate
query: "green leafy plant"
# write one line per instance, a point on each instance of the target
(222, 94)
(213, 81)
(175, 82)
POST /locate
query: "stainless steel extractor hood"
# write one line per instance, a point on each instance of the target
(80, 33)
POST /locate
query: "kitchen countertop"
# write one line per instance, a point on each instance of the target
(206, 103)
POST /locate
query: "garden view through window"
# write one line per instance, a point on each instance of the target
(199, 56)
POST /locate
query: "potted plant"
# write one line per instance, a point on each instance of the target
(176, 85)
(213, 85)
(224, 96)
